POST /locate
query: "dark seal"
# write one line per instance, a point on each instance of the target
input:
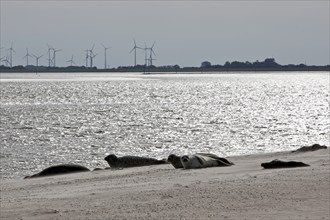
(59, 169)
(131, 161)
(314, 147)
(275, 164)
(175, 161)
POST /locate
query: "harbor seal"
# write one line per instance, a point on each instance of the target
(314, 147)
(275, 164)
(59, 169)
(131, 161)
(203, 160)
(176, 160)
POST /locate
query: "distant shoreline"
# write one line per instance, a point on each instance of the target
(163, 70)
(268, 65)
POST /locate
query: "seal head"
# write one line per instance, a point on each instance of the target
(175, 161)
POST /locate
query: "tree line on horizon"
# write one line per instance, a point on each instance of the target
(267, 64)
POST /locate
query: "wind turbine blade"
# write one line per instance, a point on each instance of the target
(132, 50)
(153, 44)
(134, 42)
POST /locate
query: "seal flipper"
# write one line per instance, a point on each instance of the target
(200, 160)
(223, 162)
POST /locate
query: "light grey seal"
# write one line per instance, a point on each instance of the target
(59, 169)
(203, 160)
(131, 161)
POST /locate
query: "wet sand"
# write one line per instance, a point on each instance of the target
(242, 191)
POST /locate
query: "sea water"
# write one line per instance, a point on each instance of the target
(49, 119)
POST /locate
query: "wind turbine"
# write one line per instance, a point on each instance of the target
(50, 60)
(134, 48)
(54, 52)
(71, 61)
(11, 54)
(37, 59)
(105, 55)
(145, 54)
(151, 52)
(86, 57)
(27, 56)
(92, 55)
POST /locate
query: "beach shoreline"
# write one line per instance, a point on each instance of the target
(242, 191)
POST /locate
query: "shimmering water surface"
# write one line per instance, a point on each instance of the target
(47, 119)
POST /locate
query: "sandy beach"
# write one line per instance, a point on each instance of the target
(242, 191)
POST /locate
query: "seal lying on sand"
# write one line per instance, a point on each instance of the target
(59, 169)
(202, 160)
(274, 164)
(314, 147)
(176, 160)
(131, 161)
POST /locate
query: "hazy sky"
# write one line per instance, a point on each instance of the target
(186, 32)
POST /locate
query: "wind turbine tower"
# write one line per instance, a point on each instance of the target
(54, 55)
(146, 61)
(134, 48)
(11, 55)
(91, 56)
(27, 56)
(50, 60)
(86, 57)
(151, 52)
(105, 55)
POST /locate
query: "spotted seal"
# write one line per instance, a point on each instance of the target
(59, 169)
(176, 160)
(131, 161)
(203, 160)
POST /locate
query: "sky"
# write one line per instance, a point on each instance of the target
(185, 32)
